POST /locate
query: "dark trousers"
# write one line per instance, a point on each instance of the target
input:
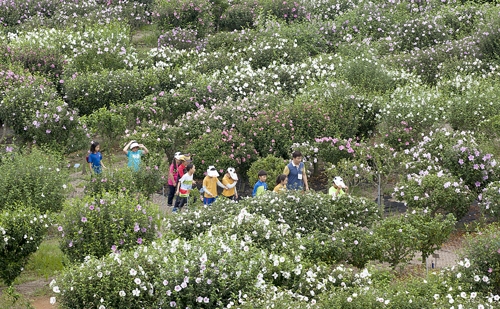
(171, 194)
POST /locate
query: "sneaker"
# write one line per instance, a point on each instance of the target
(175, 210)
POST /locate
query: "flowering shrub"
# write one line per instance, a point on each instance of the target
(112, 181)
(438, 192)
(32, 108)
(206, 271)
(22, 229)
(223, 149)
(105, 123)
(357, 245)
(111, 223)
(90, 91)
(239, 15)
(460, 154)
(181, 39)
(287, 10)
(480, 264)
(489, 200)
(354, 172)
(34, 179)
(186, 14)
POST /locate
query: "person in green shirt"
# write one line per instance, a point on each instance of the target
(339, 188)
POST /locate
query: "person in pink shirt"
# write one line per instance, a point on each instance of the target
(173, 177)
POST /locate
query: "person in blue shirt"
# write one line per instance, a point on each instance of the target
(95, 158)
(134, 152)
(296, 172)
(261, 185)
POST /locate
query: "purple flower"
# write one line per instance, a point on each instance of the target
(60, 228)
(139, 240)
(136, 227)
(461, 161)
(478, 184)
(9, 149)
(84, 219)
(113, 248)
(471, 157)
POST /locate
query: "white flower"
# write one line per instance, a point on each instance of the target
(56, 289)
(122, 293)
(137, 281)
(52, 300)
(136, 292)
(133, 272)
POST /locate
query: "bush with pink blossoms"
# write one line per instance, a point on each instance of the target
(186, 14)
(223, 149)
(99, 226)
(489, 200)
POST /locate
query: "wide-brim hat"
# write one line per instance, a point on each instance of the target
(339, 182)
(212, 171)
(232, 173)
(134, 145)
(185, 158)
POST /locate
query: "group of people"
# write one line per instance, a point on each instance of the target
(133, 150)
(181, 171)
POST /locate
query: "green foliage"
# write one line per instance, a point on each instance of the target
(188, 14)
(23, 229)
(272, 165)
(33, 178)
(398, 240)
(111, 223)
(90, 91)
(433, 230)
(489, 202)
(147, 180)
(480, 265)
(106, 124)
(369, 75)
(223, 149)
(354, 172)
(358, 244)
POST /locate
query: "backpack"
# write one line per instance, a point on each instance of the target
(87, 159)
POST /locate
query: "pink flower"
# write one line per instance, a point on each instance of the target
(139, 241)
(84, 219)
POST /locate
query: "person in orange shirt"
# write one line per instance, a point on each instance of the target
(210, 183)
(281, 182)
(230, 180)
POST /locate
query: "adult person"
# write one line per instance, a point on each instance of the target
(173, 177)
(296, 172)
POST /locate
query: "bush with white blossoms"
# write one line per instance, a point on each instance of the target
(489, 200)
(438, 192)
(22, 229)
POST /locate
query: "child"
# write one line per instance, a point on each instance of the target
(184, 161)
(134, 154)
(230, 180)
(281, 182)
(337, 188)
(184, 186)
(260, 185)
(210, 184)
(173, 177)
(95, 158)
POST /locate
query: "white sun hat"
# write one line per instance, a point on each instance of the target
(232, 173)
(177, 155)
(212, 171)
(133, 145)
(339, 182)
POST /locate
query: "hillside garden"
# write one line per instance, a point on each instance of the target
(397, 97)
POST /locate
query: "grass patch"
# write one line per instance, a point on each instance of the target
(45, 263)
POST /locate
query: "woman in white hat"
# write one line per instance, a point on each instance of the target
(134, 152)
(230, 180)
(173, 177)
(339, 188)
